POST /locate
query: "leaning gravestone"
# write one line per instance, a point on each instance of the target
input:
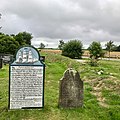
(71, 90)
(26, 82)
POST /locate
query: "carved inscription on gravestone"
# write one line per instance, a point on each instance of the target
(26, 89)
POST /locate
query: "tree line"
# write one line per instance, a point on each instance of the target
(74, 49)
(10, 43)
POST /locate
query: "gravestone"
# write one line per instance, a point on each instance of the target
(7, 58)
(26, 81)
(71, 90)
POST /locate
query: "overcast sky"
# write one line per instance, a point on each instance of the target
(52, 20)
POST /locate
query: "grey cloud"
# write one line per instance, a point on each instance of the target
(63, 19)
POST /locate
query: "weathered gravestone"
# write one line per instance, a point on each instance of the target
(7, 58)
(71, 90)
(26, 83)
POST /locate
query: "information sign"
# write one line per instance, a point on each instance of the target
(26, 81)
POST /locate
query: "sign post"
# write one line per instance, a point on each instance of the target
(26, 80)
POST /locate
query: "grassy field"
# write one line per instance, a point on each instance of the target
(101, 92)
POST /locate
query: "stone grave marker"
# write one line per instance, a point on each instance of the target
(71, 90)
(26, 80)
(7, 58)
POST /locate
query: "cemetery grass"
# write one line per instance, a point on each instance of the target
(101, 92)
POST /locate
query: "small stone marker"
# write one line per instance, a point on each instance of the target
(71, 90)
(26, 81)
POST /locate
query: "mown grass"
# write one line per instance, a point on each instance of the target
(108, 83)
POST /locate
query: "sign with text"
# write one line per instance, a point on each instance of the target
(26, 83)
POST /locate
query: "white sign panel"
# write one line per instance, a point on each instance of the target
(26, 86)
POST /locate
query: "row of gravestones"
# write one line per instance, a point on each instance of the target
(26, 83)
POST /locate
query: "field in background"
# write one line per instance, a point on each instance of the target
(112, 54)
(101, 91)
(51, 51)
(86, 53)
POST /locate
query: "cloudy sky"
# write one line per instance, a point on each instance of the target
(52, 20)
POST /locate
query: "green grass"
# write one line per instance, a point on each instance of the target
(91, 110)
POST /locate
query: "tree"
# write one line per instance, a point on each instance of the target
(2, 35)
(24, 38)
(118, 48)
(8, 45)
(61, 44)
(109, 46)
(41, 46)
(95, 50)
(73, 49)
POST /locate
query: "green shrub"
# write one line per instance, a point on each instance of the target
(73, 49)
(95, 50)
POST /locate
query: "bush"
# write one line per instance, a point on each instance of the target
(95, 50)
(73, 49)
